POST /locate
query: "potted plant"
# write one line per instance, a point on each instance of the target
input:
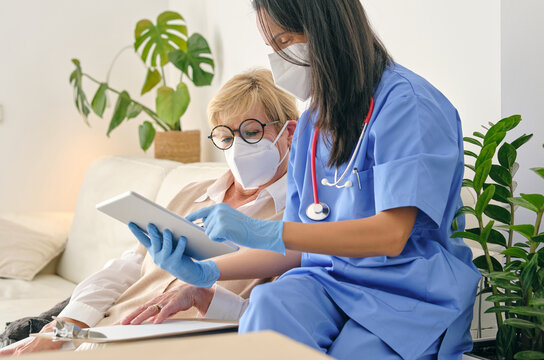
(514, 283)
(158, 45)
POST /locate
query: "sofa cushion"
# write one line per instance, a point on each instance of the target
(95, 237)
(21, 298)
(29, 241)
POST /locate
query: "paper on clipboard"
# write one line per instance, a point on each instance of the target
(116, 333)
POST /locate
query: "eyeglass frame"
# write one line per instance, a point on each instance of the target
(233, 132)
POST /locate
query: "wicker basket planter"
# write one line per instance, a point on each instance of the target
(182, 146)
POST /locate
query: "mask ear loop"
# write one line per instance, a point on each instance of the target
(277, 138)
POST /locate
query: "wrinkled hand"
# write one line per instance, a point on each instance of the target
(222, 222)
(171, 302)
(170, 256)
(34, 344)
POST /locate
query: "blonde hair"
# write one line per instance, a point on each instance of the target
(248, 89)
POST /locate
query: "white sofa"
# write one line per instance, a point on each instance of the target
(93, 238)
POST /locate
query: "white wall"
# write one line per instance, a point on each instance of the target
(45, 147)
(523, 87)
(455, 49)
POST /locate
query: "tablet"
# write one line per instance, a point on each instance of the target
(133, 207)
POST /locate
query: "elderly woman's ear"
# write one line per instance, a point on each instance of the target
(291, 126)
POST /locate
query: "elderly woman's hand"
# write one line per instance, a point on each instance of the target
(171, 302)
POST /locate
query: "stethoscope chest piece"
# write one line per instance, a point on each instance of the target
(318, 212)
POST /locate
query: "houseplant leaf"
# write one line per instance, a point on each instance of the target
(98, 103)
(146, 132)
(535, 199)
(481, 263)
(472, 141)
(465, 235)
(198, 53)
(529, 273)
(500, 175)
(528, 311)
(486, 154)
(470, 153)
(481, 175)
(484, 200)
(539, 171)
(478, 134)
(529, 355)
(133, 110)
(495, 134)
(80, 99)
(507, 155)
(510, 122)
(503, 298)
(523, 203)
(152, 78)
(506, 342)
(171, 104)
(498, 213)
(521, 140)
(120, 112)
(520, 323)
(168, 34)
(501, 193)
(516, 252)
(526, 230)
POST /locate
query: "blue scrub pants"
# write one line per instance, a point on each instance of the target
(299, 307)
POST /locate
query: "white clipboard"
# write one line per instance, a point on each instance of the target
(133, 207)
(117, 333)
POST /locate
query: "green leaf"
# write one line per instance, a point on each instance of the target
(496, 237)
(526, 230)
(467, 183)
(470, 153)
(463, 210)
(500, 175)
(505, 284)
(503, 275)
(537, 302)
(120, 112)
(516, 252)
(168, 34)
(133, 110)
(198, 53)
(513, 265)
(529, 355)
(495, 134)
(536, 199)
(538, 238)
(507, 155)
(484, 200)
(510, 122)
(465, 235)
(506, 342)
(80, 99)
(484, 236)
(529, 273)
(478, 134)
(528, 311)
(495, 309)
(503, 298)
(521, 140)
(171, 104)
(501, 193)
(523, 203)
(539, 171)
(471, 167)
(481, 174)
(152, 78)
(470, 140)
(99, 100)
(146, 132)
(481, 263)
(520, 323)
(487, 153)
(498, 213)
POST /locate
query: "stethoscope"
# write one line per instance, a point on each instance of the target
(317, 210)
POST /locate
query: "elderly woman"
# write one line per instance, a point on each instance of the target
(249, 116)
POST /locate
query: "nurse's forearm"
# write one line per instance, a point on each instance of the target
(384, 234)
(252, 264)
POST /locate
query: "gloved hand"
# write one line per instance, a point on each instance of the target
(222, 222)
(170, 256)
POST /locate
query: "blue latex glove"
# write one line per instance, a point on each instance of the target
(169, 255)
(222, 222)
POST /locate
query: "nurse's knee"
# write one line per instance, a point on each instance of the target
(264, 295)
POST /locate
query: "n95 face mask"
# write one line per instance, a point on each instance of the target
(295, 79)
(254, 164)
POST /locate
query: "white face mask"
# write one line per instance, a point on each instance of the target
(254, 164)
(295, 79)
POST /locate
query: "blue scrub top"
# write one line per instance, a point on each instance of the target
(411, 155)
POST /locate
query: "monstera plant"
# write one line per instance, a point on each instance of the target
(159, 45)
(514, 272)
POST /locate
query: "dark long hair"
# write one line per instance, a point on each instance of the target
(346, 62)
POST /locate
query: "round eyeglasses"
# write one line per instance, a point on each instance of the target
(250, 130)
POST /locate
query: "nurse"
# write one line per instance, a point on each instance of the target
(374, 181)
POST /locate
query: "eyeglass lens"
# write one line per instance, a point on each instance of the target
(250, 130)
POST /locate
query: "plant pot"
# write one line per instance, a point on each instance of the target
(182, 146)
(484, 349)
